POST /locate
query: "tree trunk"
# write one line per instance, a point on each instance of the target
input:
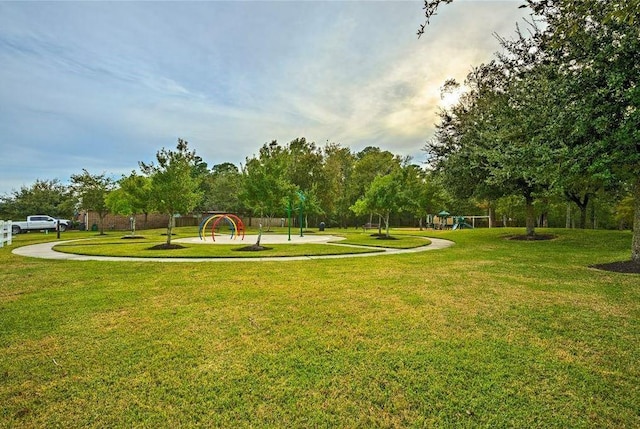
(543, 220)
(531, 217)
(582, 205)
(169, 229)
(635, 241)
(583, 217)
(386, 222)
(492, 217)
(101, 218)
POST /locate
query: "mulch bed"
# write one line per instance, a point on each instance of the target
(627, 267)
(536, 237)
(166, 246)
(383, 236)
(252, 248)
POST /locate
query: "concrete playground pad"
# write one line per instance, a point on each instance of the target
(265, 239)
(45, 251)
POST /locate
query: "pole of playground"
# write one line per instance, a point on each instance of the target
(302, 198)
(301, 205)
(289, 217)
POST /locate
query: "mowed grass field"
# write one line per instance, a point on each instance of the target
(487, 333)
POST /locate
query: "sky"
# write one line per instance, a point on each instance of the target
(103, 85)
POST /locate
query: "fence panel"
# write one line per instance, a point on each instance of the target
(5, 233)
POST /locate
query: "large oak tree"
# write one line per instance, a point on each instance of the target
(593, 45)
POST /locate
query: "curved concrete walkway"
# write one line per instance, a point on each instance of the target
(45, 251)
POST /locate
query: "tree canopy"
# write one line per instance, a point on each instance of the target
(175, 186)
(91, 191)
(43, 197)
(572, 92)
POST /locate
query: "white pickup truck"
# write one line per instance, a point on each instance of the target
(39, 223)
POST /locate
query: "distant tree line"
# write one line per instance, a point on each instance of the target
(340, 187)
(334, 184)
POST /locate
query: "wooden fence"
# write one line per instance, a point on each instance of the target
(5, 233)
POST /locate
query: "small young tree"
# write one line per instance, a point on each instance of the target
(174, 188)
(383, 197)
(131, 198)
(92, 190)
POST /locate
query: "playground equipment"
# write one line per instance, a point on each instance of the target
(234, 222)
(443, 216)
(302, 199)
(442, 221)
(459, 223)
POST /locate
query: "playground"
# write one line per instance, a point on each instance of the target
(237, 231)
(445, 220)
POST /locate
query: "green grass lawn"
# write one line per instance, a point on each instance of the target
(113, 245)
(110, 247)
(489, 333)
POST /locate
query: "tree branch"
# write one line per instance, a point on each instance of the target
(430, 8)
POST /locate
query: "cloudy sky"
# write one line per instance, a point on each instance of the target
(103, 85)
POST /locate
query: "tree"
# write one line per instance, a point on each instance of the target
(43, 197)
(131, 198)
(304, 166)
(305, 171)
(624, 212)
(417, 192)
(596, 45)
(338, 171)
(593, 45)
(430, 8)
(222, 188)
(383, 197)
(174, 186)
(92, 190)
(266, 186)
(370, 163)
(494, 142)
(619, 11)
(118, 203)
(581, 192)
(138, 190)
(434, 195)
